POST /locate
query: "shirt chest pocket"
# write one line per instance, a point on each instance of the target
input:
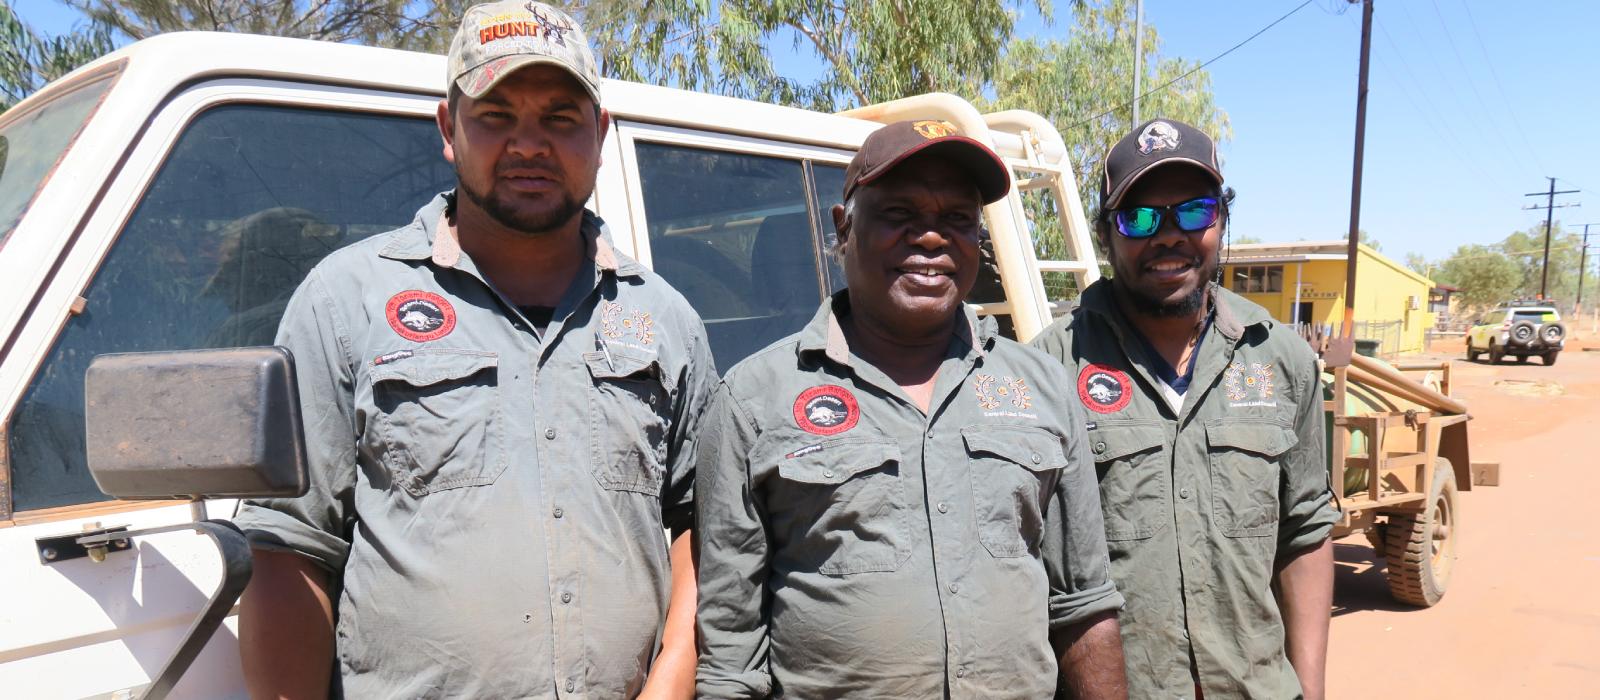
(840, 508)
(628, 420)
(1245, 457)
(1013, 471)
(440, 418)
(1130, 462)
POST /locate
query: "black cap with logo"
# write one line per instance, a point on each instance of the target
(894, 143)
(1155, 142)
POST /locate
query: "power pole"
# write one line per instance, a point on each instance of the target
(1353, 253)
(1138, 59)
(1583, 265)
(1549, 210)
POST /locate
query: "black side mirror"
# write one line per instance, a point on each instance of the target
(195, 423)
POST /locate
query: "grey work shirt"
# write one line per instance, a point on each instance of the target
(851, 546)
(494, 498)
(1202, 503)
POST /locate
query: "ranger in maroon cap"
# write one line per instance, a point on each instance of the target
(897, 501)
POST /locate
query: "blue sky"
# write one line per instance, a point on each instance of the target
(1472, 104)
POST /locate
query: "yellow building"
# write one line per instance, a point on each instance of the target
(1304, 283)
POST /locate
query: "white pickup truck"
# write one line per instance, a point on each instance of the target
(171, 195)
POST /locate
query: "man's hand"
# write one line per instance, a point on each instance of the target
(286, 628)
(672, 675)
(1090, 654)
(1305, 595)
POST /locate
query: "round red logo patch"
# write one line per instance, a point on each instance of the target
(826, 410)
(420, 316)
(1104, 389)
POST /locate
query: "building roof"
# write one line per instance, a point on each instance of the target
(1306, 251)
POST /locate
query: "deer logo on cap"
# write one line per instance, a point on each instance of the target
(1159, 136)
(934, 129)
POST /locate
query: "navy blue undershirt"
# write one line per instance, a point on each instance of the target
(1164, 370)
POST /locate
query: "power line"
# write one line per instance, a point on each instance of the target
(1194, 70)
(1466, 74)
(1495, 75)
(1432, 117)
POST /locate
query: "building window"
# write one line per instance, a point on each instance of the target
(1257, 279)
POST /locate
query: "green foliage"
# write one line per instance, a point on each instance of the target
(1484, 275)
(1418, 264)
(29, 60)
(376, 22)
(1526, 249)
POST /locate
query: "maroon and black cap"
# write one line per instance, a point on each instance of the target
(894, 143)
(1155, 142)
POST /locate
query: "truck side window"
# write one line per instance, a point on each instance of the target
(732, 232)
(250, 198)
(827, 182)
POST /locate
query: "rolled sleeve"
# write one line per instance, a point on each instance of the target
(1074, 547)
(314, 524)
(1306, 510)
(731, 529)
(699, 381)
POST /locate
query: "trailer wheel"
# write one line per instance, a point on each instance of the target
(1420, 549)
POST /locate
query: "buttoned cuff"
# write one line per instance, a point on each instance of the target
(750, 684)
(268, 528)
(1068, 609)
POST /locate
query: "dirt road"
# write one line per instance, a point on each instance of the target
(1522, 615)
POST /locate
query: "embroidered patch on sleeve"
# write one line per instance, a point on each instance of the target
(826, 410)
(1104, 389)
(420, 316)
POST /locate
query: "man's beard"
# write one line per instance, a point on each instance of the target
(529, 224)
(1187, 305)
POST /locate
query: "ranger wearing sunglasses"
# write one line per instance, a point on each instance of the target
(1205, 421)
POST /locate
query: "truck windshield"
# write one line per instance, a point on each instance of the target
(32, 142)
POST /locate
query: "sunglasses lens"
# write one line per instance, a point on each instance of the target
(1196, 214)
(1138, 222)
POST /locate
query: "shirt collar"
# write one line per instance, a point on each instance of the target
(824, 334)
(431, 237)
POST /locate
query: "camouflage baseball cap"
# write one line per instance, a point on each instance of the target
(497, 38)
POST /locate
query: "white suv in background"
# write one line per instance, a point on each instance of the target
(1517, 331)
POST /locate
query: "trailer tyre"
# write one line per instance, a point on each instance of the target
(1420, 549)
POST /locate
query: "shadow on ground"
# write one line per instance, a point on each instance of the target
(1358, 581)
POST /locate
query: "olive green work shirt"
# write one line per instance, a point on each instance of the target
(1200, 504)
(852, 546)
(492, 498)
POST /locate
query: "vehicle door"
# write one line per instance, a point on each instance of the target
(209, 222)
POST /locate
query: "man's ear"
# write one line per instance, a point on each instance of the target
(841, 223)
(605, 128)
(447, 130)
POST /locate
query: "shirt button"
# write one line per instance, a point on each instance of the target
(1099, 447)
(944, 508)
(572, 685)
(1036, 458)
(955, 588)
(549, 433)
(558, 513)
(827, 474)
(961, 672)
(566, 597)
(1183, 493)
